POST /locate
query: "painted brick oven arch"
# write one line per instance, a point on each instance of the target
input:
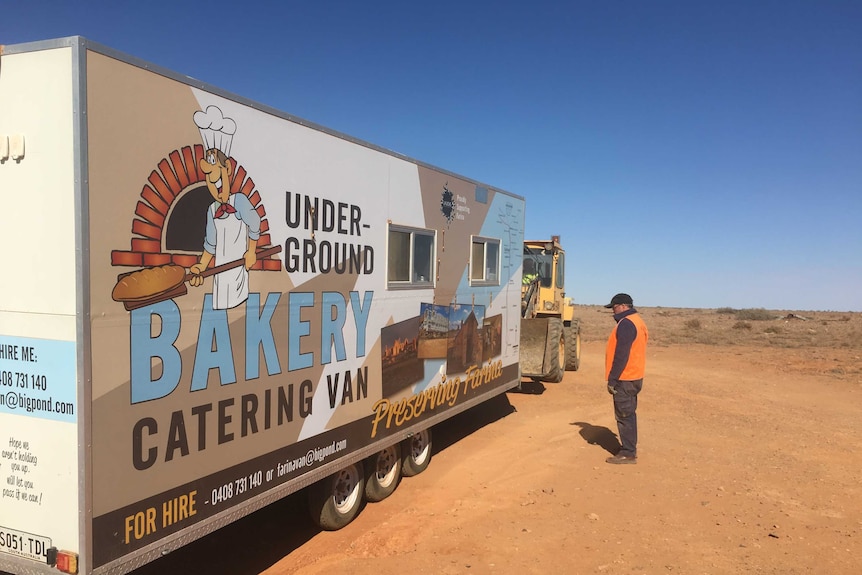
(176, 175)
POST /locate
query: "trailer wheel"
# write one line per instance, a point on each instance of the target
(383, 472)
(555, 351)
(417, 453)
(335, 501)
(573, 345)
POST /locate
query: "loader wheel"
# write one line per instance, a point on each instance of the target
(417, 453)
(573, 345)
(335, 501)
(555, 351)
(383, 472)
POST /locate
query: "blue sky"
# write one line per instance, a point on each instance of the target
(692, 154)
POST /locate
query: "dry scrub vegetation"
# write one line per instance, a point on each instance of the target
(822, 342)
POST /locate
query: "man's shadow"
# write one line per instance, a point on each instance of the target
(597, 435)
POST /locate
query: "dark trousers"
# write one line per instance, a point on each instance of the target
(625, 410)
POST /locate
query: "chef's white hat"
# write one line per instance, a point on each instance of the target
(216, 130)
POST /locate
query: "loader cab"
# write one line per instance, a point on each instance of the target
(543, 279)
(542, 265)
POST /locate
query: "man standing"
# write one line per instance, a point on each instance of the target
(625, 357)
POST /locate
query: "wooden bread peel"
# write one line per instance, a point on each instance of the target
(179, 288)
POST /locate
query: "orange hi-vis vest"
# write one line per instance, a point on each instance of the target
(634, 368)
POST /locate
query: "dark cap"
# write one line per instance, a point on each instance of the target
(620, 298)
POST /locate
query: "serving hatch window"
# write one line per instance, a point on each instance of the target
(411, 257)
(485, 261)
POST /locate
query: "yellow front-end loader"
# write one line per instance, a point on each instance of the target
(550, 335)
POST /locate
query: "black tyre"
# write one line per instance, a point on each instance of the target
(573, 345)
(555, 351)
(417, 453)
(335, 501)
(382, 473)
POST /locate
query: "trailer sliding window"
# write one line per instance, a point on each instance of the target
(411, 257)
(485, 261)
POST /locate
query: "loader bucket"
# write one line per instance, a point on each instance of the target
(540, 348)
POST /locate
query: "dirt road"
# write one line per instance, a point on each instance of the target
(746, 466)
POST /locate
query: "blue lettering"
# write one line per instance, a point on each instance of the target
(145, 347)
(332, 328)
(360, 317)
(297, 329)
(258, 334)
(214, 348)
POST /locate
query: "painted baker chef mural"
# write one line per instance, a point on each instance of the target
(191, 207)
(233, 225)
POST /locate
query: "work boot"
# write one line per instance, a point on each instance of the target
(622, 459)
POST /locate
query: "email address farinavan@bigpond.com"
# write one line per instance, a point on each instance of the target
(316, 455)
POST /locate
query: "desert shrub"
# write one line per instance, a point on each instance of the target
(692, 323)
(852, 340)
(707, 337)
(725, 311)
(755, 314)
(742, 325)
(844, 318)
(773, 329)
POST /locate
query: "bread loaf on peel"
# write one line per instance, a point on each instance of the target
(148, 282)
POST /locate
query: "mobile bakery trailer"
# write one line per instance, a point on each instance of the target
(209, 304)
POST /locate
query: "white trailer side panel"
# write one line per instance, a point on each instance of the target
(39, 415)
